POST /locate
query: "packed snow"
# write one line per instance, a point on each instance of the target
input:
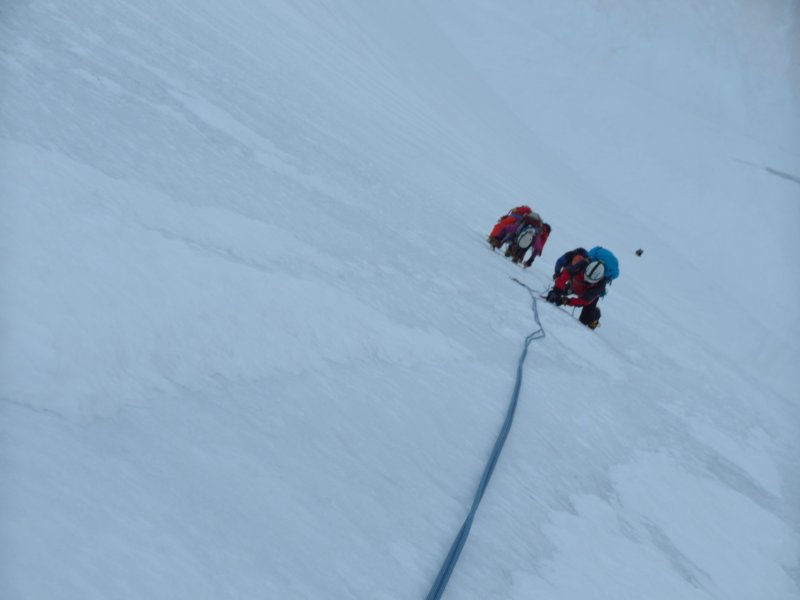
(253, 342)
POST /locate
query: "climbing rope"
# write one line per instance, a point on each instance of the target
(458, 544)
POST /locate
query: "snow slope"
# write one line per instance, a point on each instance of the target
(254, 345)
(685, 113)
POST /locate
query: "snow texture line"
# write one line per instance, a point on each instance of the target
(439, 585)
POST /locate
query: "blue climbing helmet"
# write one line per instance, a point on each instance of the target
(608, 259)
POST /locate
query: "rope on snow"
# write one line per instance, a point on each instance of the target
(450, 561)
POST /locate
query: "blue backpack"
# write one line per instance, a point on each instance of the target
(608, 259)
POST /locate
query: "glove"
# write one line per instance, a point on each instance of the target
(555, 296)
(555, 276)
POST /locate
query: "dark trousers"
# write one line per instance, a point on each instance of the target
(590, 314)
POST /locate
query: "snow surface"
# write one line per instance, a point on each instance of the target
(253, 342)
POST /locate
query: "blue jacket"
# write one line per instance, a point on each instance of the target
(566, 259)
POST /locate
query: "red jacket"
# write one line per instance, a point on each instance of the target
(540, 241)
(509, 223)
(586, 293)
(505, 226)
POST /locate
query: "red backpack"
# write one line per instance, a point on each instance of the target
(520, 211)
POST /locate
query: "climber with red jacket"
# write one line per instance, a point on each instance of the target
(520, 228)
(507, 225)
(580, 279)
